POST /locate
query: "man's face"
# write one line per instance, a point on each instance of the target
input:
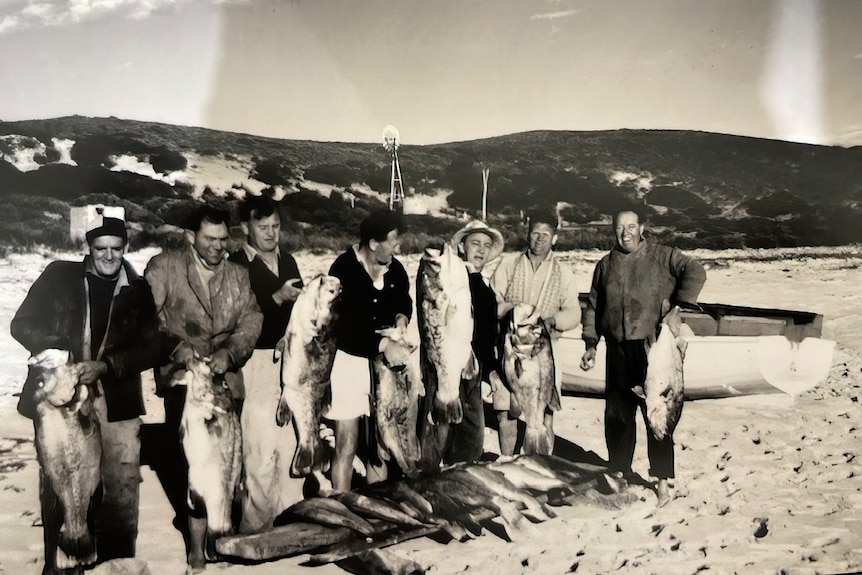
(210, 242)
(107, 255)
(383, 251)
(477, 246)
(263, 234)
(628, 232)
(541, 239)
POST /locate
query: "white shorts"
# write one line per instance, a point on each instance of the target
(351, 387)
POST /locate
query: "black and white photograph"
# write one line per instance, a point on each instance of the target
(449, 287)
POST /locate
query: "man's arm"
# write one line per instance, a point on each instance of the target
(690, 277)
(34, 325)
(590, 333)
(500, 283)
(240, 344)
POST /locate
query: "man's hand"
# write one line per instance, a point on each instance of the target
(220, 361)
(504, 308)
(287, 292)
(184, 354)
(550, 323)
(91, 371)
(588, 360)
(327, 435)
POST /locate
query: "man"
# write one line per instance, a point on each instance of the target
(628, 288)
(205, 302)
(267, 448)
(375, 293)
(478, 244)
(101, 311)
(538, 278)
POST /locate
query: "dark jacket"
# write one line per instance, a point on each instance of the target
(628, 289)
(264, 283)
(484, 323)
(53, 316)
(362, 309)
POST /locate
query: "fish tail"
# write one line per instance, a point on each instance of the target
(537, 441)
(448, 411)
(74, 550)
(282, 413)
(308, 457)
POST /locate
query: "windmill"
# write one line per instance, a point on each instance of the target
(396, 188)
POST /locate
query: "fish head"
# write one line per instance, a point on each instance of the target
(56, 376)
(328, 290)
(522, 314)
(673, 320)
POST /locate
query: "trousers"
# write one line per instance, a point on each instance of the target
(626, 368)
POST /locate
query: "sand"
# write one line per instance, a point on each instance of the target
(764, 484)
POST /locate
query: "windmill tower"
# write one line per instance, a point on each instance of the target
(396, 188)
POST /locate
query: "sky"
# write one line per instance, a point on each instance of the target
(441, 70)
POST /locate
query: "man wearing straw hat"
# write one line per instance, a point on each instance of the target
(100, 311)
(478, 244)
(538, 278)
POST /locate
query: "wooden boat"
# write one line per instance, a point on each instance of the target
(732, 351)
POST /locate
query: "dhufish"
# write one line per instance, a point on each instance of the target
(307, 352)
(69, 449)
(396, 401)
(445, 316)
(528, 369)
(663, 388)
(212, 441)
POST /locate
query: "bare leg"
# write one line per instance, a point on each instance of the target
(508, 430)
(376, 473)
(197, 535)
(346, 440)
(663, 493)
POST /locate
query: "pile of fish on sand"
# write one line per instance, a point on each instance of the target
(212, 441)
(69, 450)
(505, 498)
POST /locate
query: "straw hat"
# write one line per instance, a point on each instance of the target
(478, 226)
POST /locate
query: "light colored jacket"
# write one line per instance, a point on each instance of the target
(226, 316)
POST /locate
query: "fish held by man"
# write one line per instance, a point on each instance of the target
(528, 369)
(445, 314)
(69, 449)
(396, 400)
(212, 442)
(664, 385)
(307, 352)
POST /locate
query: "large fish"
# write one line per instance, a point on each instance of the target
(306, 364)
(212, 441)
(445, 316)
(663, 388)
(69, 449)
(528, 369)
(396, 400)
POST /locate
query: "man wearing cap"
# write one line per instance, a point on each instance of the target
(538, 278)
(375, 294)
(628, 288)
(100, 311)
(206, 304)
(478, 244)
(267, 448)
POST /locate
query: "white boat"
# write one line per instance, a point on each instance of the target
(732, 351)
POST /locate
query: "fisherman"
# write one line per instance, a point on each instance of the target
(267, 448)
(101, 311)
(206, 303)
(375, 294)
(478, 244)
(538, 278)
(628, 287)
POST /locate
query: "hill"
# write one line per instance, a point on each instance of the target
(695, 189)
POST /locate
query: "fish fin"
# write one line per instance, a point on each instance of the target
(451, 311)
(279, 350)
(282, 413)
(515, 408)
(682, 346)
(79, 550)
(448, 412)
(537, 441)
(554, 403)
(638, 390)
(306, 459)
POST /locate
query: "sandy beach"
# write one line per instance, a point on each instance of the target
(765, 484)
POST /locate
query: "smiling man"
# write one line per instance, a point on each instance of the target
(205, 303)
(628, 288)
(101, 311)
(538, 278)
